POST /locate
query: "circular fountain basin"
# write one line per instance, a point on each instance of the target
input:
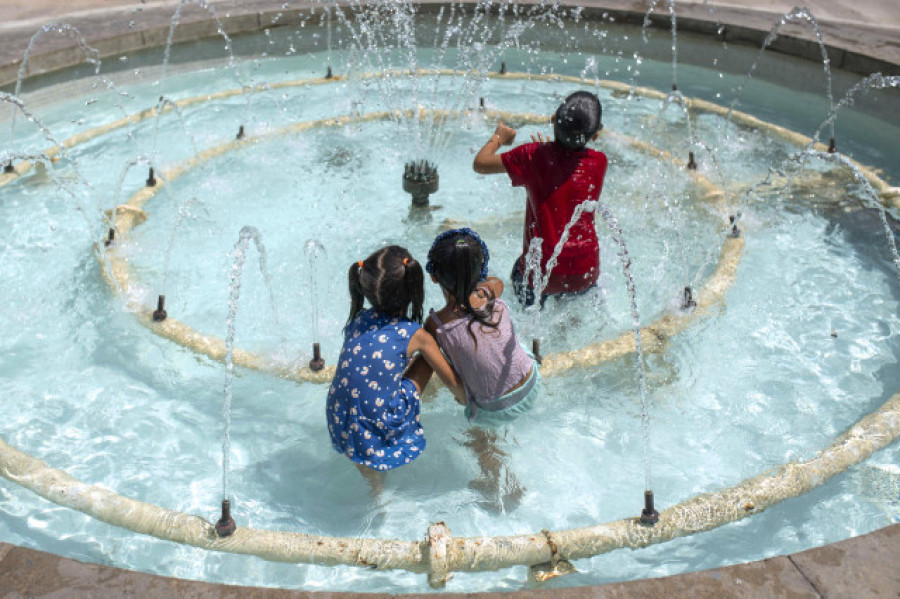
(802, 345)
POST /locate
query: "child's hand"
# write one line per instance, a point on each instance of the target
(505, 134)
(539, 138)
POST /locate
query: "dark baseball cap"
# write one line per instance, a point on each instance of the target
(577, 119)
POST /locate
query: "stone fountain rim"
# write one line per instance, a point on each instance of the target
(742, 25)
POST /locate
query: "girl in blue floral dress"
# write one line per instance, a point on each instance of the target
(373, 402)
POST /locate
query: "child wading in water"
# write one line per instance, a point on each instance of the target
(475, 331)
(558, 176)
(373, 402)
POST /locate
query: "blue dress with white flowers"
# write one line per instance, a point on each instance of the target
(372, 411)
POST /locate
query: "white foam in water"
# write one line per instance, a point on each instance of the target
(806, 342)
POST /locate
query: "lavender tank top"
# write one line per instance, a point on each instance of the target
(499, 362)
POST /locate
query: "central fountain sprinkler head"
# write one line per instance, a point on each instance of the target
(151, 179)
(691, 165)
(674, 87)
(420, 179)
(688, 301)
(503, 68)
(649, 516)
(110, 237)
(159, 314)
(735, 230)
(480, 103)
(317, 363)
(536, 350)
(328, 73)
(831, 147)
(240, 133)
(225, 526)
(9, 168)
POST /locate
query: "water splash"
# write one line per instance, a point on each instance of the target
(797, 14)
(875, 81)
(232, 62)
(247, 234)
(314, 249)
(674, 29)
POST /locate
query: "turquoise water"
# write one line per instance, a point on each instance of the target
(805, 344)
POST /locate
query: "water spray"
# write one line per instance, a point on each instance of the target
(225, 526)
(317, 363)
(160, 314)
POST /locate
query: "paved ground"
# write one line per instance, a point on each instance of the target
(861, 567)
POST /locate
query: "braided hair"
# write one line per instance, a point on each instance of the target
(391, 280)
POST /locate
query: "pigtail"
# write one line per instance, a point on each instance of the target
(414, 284)
(357, 296)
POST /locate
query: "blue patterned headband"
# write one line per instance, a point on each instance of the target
(429, 267)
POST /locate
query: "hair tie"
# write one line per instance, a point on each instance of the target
(405, 261)
(429, 267)
(360, 263)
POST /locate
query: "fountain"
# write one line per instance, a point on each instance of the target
(740, 351)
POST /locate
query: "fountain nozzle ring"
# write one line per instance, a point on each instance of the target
(225, 526)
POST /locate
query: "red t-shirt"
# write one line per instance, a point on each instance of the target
(557, 180)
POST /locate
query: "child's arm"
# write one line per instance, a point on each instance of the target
(434, 361)
(487, 160)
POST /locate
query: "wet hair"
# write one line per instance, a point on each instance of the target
(456, 260)
(577, 119)
(391, 280)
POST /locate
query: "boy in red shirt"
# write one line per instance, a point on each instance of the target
(558, 176)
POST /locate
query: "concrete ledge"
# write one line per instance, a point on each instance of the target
(860, 567)
(859, 48)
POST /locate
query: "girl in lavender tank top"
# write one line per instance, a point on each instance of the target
(475, 332)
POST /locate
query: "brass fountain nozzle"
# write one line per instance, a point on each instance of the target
(536, 350)
(692, 164)
(420, 179)
(649, 516)
(225, 526)
(159, 314)
(688, 301)
(317, 363)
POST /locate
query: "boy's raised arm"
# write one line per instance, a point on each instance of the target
(487, 160)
